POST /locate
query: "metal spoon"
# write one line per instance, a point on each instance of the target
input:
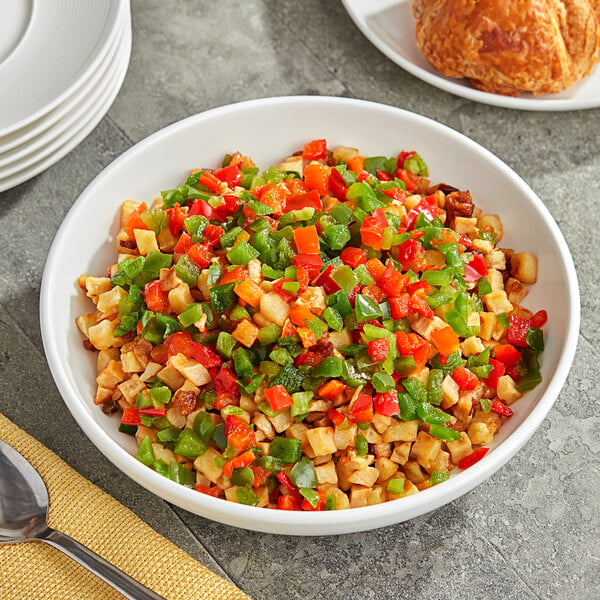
(23, 512)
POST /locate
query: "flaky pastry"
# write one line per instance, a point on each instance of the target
(510, 46)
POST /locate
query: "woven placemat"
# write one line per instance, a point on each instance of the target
(36, 571)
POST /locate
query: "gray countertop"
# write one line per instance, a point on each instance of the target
(531, 530)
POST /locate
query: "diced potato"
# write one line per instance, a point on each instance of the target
(326, 473)
(435, 258)
(150, 371)
(426, 449)
(523, 267)
(130, 363)
(424, 326)
(465, 225)
(409, 489)
(372, 436)
(483, 427)
(496, 280)
(321, 440)
(414, 472)
(383, 450)
(460, 448)
(179, 298)
(497, 302)
(381, 422)
(274, 308)
(492, 221)
(450, 391)
(472, 345)
(127, 209)
(515, 290)
(483, 246)
(105, 356)
(488, 325)
(247, 404)
(95, 286)
(84, 322)
(282, 420)
(162, 453)
(263, 424)
(344, 154)
(171, 377)
(146, 241)
(386, 467)
(404, 431)
(246, 332)
(191, 369)
(345, 437)
(102, 335)
(495, 260)
(341, 499)
(205, 463)
(102, 395)
(377, 496)
(143, 432)
(111, 375)
(462, 409)
(166, 240)
(292, 163)
(260, 319)
(254, 268)
(340, 338)
(507, 390)
(359, 496)
(441, 463)
(412, 201)
(366, 477)
(473, 320)
(401, 453)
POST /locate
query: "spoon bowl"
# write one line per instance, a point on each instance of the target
(23, 517)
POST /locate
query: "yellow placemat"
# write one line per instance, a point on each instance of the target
(36, 571)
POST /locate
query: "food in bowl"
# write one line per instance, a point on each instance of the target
(331, 333)
(510, 47)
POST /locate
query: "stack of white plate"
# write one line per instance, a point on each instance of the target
(62, 63)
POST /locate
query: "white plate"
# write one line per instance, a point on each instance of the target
(268, 130)
(63, 42)
(88, 84)
(71, 138)
(44, 143)
(389, 25)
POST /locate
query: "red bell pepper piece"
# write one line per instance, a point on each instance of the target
(539, 319)
(352, 295)
(411, 181)
(310, 199)
(427, 206)
(411, 344)
(418, 285)
(501, 409)
(387, 403)
(471, 459)
(176, 219)
(238, 433)
(324, 279)
(312, 263)
(353, 257)
(208, 180)
(392, 282)
(184, 243)
(419, 303)
(395, 194)
(153, 412)
(476, 269)
(383, 175)
(507, 354)
(315, 150)
(225, 381)
(361, 410)
(285, 502)
(332, 389)
(411, 255)
(497, 372)
(229, 206)
(378, 349)
(135, 220)
(289, 486)
(200, 254)
(278, 398)
(231, 175)
(401, 306)
(337, 185)
(212, 234)
(131, 416)
(335, 416)
(202, 208)
(306, 505)
(215, 491)
(261, 475)
(371, 232)
(155, 298)
(517, 332)
(403, 156)
(225, 399)
(465, 379)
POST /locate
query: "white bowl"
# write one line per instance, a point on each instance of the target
(268, 130)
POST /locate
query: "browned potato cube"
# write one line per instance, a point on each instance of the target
(492, 221)
(426, 449)
(523, 267)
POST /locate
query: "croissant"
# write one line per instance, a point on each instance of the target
(510, 46)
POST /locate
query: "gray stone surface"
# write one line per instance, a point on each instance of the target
(531, 531)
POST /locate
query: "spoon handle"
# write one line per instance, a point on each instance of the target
(116, 578)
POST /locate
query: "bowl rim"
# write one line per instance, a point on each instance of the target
(290, 522)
